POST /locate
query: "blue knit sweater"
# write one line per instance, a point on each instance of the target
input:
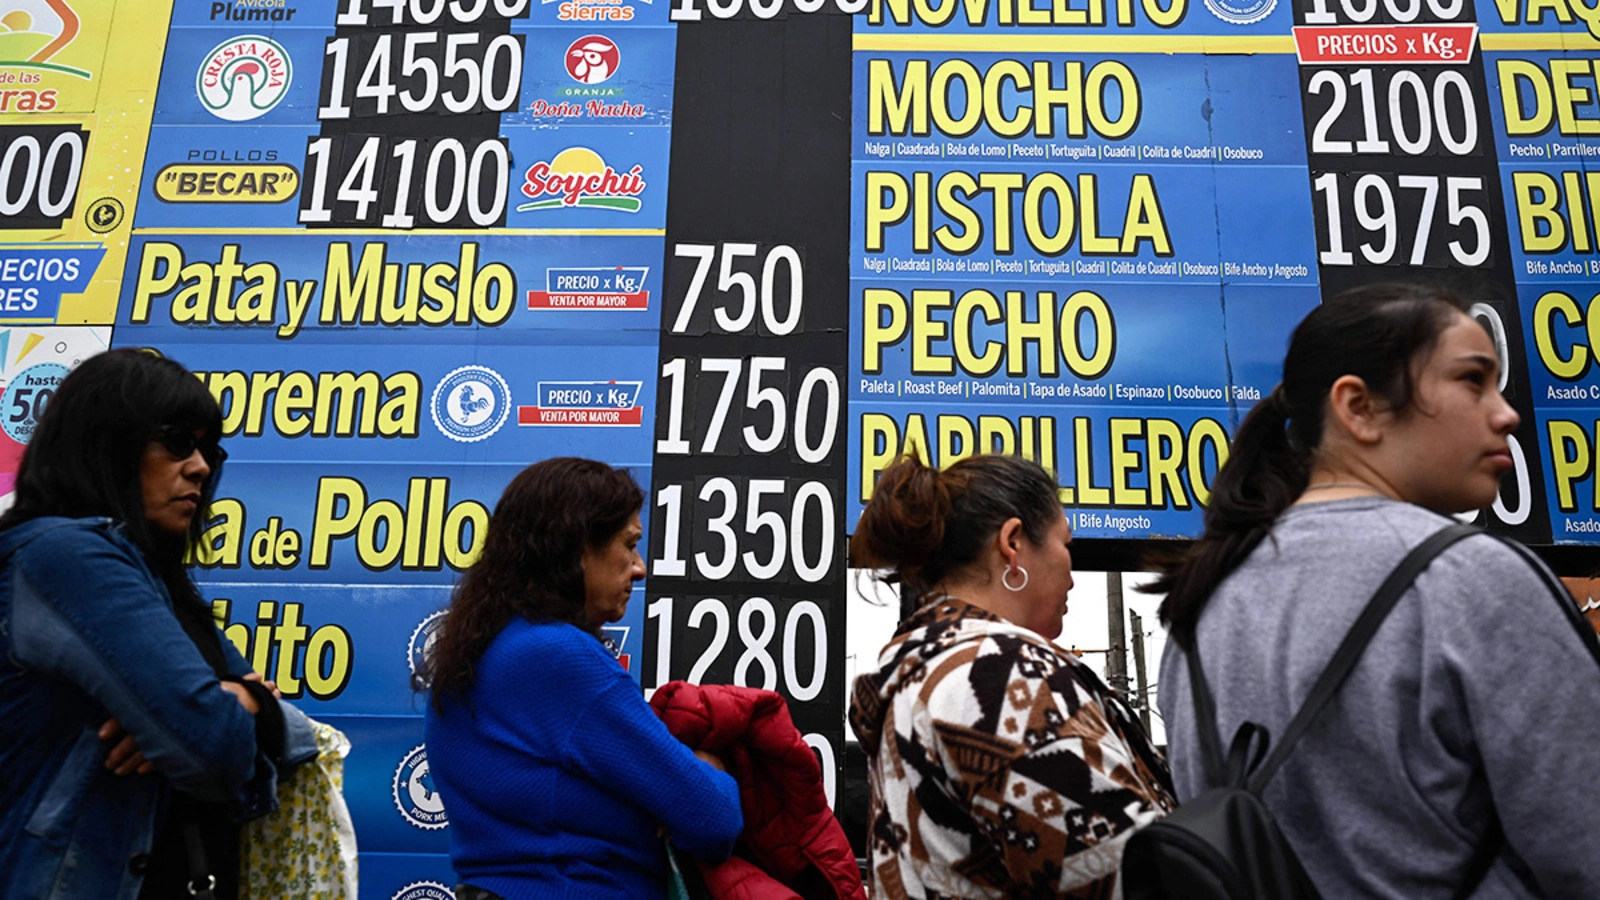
(558, 777)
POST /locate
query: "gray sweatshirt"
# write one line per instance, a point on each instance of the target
(1476, 697)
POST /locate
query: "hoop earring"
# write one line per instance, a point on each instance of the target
(1005, 579)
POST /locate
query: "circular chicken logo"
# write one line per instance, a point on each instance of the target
(244, 78)
(592, 59)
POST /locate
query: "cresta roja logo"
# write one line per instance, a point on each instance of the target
(244, 77)
(610, 403)
(579, 177)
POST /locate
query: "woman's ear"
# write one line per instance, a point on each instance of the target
(1357, 409)
(1008, 539)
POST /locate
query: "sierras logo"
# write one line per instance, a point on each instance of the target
(604, 403)
(594, 10)
(471, 403)
(244, 78)
(579, 177)
(592, 288)
(414, 794)
(593, 59)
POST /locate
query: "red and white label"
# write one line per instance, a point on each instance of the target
(1382, 44)
(590, 300)
(542, 415)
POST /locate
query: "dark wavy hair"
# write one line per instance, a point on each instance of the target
(83, 459)
(1377, 332)
(925, 524)
(531, 563)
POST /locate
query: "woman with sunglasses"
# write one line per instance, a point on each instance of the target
(135, 738)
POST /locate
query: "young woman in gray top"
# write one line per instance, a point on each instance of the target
(1477, 702)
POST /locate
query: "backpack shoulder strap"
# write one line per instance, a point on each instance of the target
(1205, 717)
(1563, 598)
(1354, 644)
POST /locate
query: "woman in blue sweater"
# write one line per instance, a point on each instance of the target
(558, 778)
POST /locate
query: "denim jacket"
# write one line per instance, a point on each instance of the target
(87, 633)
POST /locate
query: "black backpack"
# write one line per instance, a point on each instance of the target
(1224, 844)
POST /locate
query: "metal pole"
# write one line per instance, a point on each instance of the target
(1117, 658)
(1143, 703)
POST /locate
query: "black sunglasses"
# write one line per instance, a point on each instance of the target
(181, 443)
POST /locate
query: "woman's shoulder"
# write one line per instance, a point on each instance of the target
(552, 648)
(1485, 567)
(51, 538)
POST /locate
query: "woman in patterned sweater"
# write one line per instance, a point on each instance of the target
(1000, 765)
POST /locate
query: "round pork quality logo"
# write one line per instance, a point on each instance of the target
(424, 890)
(422, 639)
(592, 59)
(26, 395)
(244, 78)
(471, 403)
(414, 795)
(1241, 12)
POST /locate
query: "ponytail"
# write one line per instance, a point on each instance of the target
(1374, 332)
(1264, 474)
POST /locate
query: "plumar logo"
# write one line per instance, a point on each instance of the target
(579, 177)
(244, 78)
(593, 59)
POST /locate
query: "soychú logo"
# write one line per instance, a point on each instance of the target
(592, 288)
(414, 794)
(471, 403)
(605, 403)
(424, 890)
(579, 177)
(593, 59)
(244, 78)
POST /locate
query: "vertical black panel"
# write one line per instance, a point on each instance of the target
(759, 182)
(1360, 120)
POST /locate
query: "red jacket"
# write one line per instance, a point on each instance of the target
(792, 846)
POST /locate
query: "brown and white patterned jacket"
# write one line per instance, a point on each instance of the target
(999, 767)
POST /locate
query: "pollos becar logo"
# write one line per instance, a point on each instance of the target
(579, 177)
(620, 287)
(604, 403)
(424, 890)
(593, 59)
(471, 403)
(244, 77)
(422, 640)
(414, 794)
